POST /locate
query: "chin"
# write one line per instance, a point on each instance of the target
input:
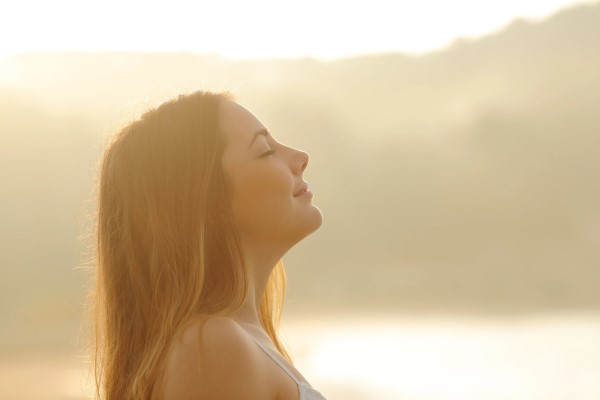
(320, 218)
(314, 221)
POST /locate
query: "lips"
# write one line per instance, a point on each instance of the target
(302, 189)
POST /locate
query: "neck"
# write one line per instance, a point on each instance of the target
(259, 271)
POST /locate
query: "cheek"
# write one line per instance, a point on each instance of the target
(261, 195)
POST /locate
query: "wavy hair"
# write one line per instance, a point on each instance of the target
(167, 248)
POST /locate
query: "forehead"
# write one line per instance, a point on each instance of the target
(237, 124)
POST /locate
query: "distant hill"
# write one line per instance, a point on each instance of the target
(465, 179)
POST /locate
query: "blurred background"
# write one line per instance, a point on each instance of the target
(454, 155)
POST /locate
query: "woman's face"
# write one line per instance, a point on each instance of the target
(265, 177)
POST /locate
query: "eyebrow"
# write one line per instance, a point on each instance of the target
(263, 132)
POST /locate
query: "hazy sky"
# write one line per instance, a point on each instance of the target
(260, 28)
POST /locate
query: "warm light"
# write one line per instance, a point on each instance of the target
(258, 29)
(452, 357)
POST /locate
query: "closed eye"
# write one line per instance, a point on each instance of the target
(268, 153)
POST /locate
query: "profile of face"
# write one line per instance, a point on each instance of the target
(265, 177)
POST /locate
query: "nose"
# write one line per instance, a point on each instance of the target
(300, 161)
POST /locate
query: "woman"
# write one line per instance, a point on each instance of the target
(197, 205)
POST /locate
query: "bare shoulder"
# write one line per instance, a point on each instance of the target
(213, 358)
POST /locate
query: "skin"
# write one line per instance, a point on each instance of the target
(216, 357)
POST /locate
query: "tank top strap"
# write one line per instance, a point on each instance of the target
(276, 359)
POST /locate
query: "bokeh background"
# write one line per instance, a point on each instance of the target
(454, 154)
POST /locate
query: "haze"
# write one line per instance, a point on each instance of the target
(459, 256)
(259, 29)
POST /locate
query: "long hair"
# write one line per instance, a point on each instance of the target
(166, 250)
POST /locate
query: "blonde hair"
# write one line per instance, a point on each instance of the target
(167, 247)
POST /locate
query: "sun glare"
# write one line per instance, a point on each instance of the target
(452, 357)
(259, 29)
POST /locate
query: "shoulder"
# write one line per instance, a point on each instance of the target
(214, 358)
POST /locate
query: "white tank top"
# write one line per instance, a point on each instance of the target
(305, 391)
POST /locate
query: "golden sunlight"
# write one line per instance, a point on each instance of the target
(259, 29)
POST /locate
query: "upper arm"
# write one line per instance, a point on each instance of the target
(215, 360)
